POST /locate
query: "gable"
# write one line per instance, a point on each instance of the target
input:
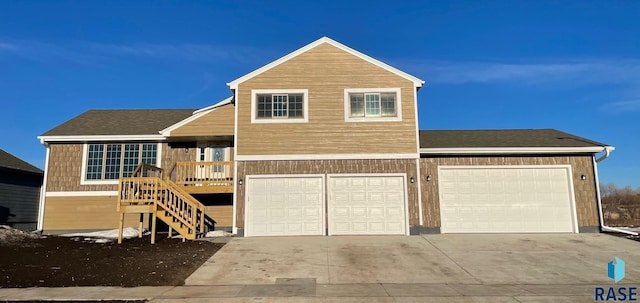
(323, 42)
(215, 122)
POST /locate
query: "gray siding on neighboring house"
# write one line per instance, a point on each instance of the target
(19, 198)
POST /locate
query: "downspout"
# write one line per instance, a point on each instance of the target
(607, 152)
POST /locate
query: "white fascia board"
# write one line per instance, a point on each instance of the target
(90, 138)
(416, 82)
(512, 150)
(325, 157)
(221, 103)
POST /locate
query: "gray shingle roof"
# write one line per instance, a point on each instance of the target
(502, 138)
(10, 161)
(120, 122)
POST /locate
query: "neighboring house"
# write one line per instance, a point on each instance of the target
(323, 141)
(20, 184)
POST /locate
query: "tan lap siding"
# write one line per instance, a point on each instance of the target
(329, 167)
(222, 214)
(326, 72)
(76, 213)
(219, 122)
(585, 190)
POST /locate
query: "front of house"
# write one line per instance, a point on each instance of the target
(323, 141)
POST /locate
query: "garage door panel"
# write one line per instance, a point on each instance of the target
(489, 199)
(373, 205)
(281, 206)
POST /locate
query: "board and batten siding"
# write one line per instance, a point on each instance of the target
(407, 167)
(219, 122)
(585, 190)
(19, 199)
(326, 71)
(84, 213)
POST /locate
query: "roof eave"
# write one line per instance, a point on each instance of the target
(416, 81)
(512, 150)
(89, 138)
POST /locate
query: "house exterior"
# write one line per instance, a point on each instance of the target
(323, 141)
(20, 184)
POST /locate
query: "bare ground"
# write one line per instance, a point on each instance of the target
(28, 261)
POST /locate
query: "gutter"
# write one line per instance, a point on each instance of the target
(607, 150)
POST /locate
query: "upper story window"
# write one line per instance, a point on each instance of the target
(372, 105)
(114, 161)
(279, 106)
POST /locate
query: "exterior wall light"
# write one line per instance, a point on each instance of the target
(412, 180)
(186, 150)
(428, 178)
(583, 177)
(240, 182)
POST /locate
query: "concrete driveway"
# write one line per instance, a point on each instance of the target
(539, 266)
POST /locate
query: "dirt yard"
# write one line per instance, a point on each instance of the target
(28, 261)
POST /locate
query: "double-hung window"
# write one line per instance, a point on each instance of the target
(279, 106)
(113, 161)
(372, 105)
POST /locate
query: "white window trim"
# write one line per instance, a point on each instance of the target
(305, 105)
(85, 152)
(347, 105)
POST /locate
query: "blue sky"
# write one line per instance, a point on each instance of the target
(569, 65)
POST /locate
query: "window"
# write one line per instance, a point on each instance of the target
(113, 161)
(279, 106)
(372, 105)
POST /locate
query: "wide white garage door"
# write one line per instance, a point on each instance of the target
(285, 206)
(505, 200)
(373, 205)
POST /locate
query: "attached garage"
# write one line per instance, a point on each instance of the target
(294, 205)
(285, 205)
(503, 199)
(367, 205)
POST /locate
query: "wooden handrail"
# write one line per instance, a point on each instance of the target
(154, 192)
(145, 168)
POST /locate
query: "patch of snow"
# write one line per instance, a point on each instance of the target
(8, 235)
(218, 233)
(106, 236)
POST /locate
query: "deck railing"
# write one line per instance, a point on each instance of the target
(203, 173)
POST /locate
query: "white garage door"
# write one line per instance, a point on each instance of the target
(373, 205)
(505, 200)
(285, 206)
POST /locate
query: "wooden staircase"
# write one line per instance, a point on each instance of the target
(146, 191)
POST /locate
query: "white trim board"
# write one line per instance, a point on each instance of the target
(43, 191)
(234, 84)
(511, 150)
(89, 138)
(81, 193)
(296, 157)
